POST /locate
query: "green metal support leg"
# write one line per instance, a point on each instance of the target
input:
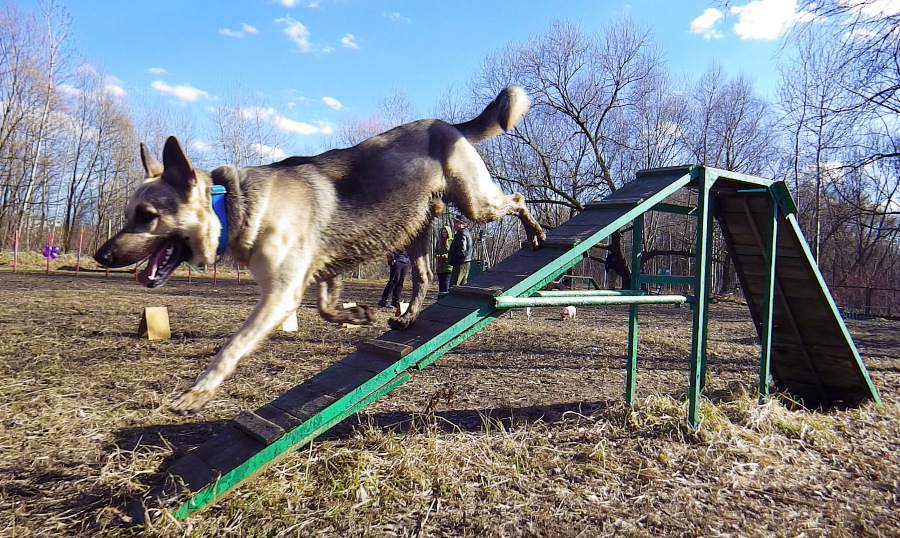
(701, 293)
(707, 286)
(768, 301)
(637, 241)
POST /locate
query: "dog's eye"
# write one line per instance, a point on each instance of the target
(144, 216)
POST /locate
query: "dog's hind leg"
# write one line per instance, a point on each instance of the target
(422, 277)
(510, 204)
(480, 199)
(329, 294)
(271, 310)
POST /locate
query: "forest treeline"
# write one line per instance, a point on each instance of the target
(605, 105)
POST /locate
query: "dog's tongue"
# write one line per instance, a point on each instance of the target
(148, 275)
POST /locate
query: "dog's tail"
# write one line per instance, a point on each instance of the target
(501, 115)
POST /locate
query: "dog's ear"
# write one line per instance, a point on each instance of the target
(152, 167)
(178, 170)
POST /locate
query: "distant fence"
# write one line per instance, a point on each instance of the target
(861, 302)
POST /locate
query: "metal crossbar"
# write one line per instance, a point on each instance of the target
(587, 300)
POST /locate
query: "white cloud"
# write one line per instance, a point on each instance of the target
(114, 90)
(157, 71)
(327, 50)
(183, 92)
(201, 147)
(313, 5)
(703, 24)
(349, 41)
(296, 32)
(68, 89)
(874, 8)
(298, 127)
(767, 20)
(333, 103)
(285, 124)
(397, 17)
(288, 3)
(245, 29)
(267, 152)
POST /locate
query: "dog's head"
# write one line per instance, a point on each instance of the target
(169, 219)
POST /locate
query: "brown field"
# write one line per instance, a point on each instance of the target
(520, 431)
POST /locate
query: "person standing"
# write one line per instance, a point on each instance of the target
(442, 264)
(461, 250)
(398, 263)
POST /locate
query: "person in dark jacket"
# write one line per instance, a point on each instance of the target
(398, 263)
(443, 269)
(461, 251)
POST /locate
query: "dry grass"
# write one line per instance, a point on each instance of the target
(520, 431)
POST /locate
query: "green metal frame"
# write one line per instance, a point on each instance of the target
(527, 292)
(765, 353)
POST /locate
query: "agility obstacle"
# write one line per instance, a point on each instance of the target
(805, 348)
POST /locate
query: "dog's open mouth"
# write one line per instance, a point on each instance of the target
(163, 263)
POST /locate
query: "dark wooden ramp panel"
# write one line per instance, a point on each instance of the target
(256, 440)
(813, 357)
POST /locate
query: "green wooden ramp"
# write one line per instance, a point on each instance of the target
(812, 355)
(823, 370)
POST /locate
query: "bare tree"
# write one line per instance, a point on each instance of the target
(247, 132)
(34, 57)
(820, 116)
(391, 109)
(866, 32)
(56, 28)
(98, 126)
(731, 127)
(155, 120)
(579, 141)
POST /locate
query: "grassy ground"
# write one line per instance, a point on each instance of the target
(520, 431)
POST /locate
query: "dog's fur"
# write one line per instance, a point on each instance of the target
(307, 219)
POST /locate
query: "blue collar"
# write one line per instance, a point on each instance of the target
(218, 205)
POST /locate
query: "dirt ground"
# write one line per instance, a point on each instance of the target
(519, 431)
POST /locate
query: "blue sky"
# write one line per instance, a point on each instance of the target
(319, 62)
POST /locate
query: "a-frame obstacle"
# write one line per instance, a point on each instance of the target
(805, 347)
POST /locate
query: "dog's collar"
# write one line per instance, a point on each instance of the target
(218, 205)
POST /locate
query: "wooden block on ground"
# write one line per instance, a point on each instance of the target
(255, 426)
(345, 306)
(155, 323)
(289, 325)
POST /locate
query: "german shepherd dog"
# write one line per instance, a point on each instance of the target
(308, 219)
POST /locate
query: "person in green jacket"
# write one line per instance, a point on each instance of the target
(442, 264)
(462, 248)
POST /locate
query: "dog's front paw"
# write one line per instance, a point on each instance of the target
(360, 315)
(536, 238)
(400, 323)
(191, 401)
